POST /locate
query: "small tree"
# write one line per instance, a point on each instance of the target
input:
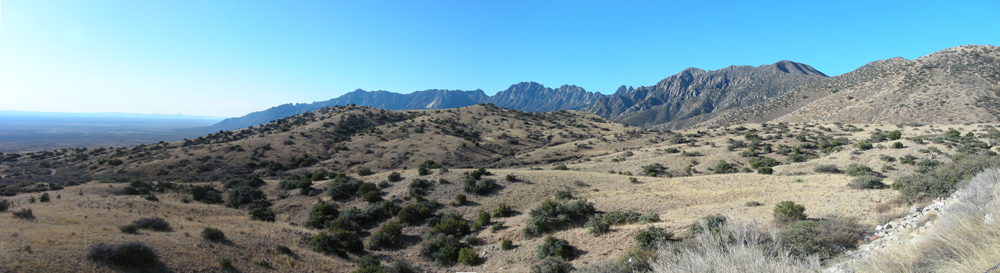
(467, 256)
(894, 135)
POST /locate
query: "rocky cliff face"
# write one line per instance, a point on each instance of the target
(694, 92)
(534, 97)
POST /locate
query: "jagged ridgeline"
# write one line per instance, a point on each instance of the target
(344, 139)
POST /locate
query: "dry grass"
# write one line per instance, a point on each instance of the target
(964, 238)
(746, 246)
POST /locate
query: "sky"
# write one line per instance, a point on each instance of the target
(230, 58)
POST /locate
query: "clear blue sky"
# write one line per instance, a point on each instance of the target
(228, 58)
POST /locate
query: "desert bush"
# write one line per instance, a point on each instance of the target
(206, 194)
(369, 216)
(942, 180)
(129, 229)
(859, 170)
(369, 264)
(550, 214)
(510, 178)
(387, 236)
(442, 249)
(622, 217)
(343, 187)
(420, 187)
(423, 171)
(787, 211)
(724, 167)
(897, 145)
(404, 266)
(908, 159)
(213, 234)
(560, 168)
(597, 226)
(394, 177)
(867, 182)
(651, 237)
(713, 223)
(753, 204)
(864, 146)
(894, 135)
(128, 254)
(763, 161)
(503, 210)
(152, 223)
(826, 169)
(451, 224)
(482, 220)
(365, 172)
(320, 214)
(338, 242)
(415, 213)
(552, 265)
(243, 195)
(4, 204)
(823, 238)
(480, 187)
(467, 256)
(44, 198)
(554, 247)
(765, 170)
(24, 213)
(506, 244)
(888, 158)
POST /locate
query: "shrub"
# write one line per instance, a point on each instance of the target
(442, 249)
(153, 223)
(44, 198)
(369, 216)
(908, 159)
(496, 227)
(551, 213)
(824, 238)
(622, 217)
(213, 234)
(369, 264)
(897, 145)
(942, 180)
(561, 168)
(506, 244)
(460, 199)
(789, 211)
(467, 256)
(552, 265)
(128, 254)
(554, 247)
(510, 178)
(206, 194)
(503, 210)
(24, 213)
(365, 172)
(343, 187)
(649, 238)
(129, 229)
(284, 250)
(404, 266)
(564, 195)
(420, 187)
(394, 177)
(758, 162)
(724, 167)
(4, 204)
(320, 214)
(482, 220)
(480, 187)
(765, 170)
(416, 213)
(387, 236)
(423, 171)
(826, 169)
(243, 195)
(451, 225)
(894, 135)
(888, 158)
(652, 217)
(338, 242)
(859, 170)
(867, 182)
(597, 226)
(864, 146)
(713, 223)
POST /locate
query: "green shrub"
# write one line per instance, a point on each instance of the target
(859, 170)
(369, 216)
(867, 182)
(554, 247)
(320, 214)
(467, 256)
(897, 145)
(338, 242)
(713, 223)
(787, 211)
(561, 168)
(908, 159)
(724, 167)
(423, 171)
(44, 198)
(213, 234)
(452, 225)
(129, 254)
(597, 226)
(480, 187)
(552, 265)
(649, 238)
(759, 162)
(387, 236)
(343, 187)
(510, 178)
(941, 180)
(506, 244)
(244, 195)
(622, 217)
(864, 146)
(365, 172)
(420, 187)
(152, 223)
(550, 213)
(894, 135)
(4, 204)
(824, 238)
(482, 220)
(394, 177)
(404, 266)
(765, 170)
(415, 213)
(460, 199)
(887, 158)
(503, 210)
(369, 264)
(442, 249)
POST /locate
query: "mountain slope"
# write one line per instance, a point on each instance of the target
(693, 92)
(955, 85)
(534, 97)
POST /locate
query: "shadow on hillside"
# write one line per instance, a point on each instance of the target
(159, 267)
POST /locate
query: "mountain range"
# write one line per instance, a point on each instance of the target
(955, 84)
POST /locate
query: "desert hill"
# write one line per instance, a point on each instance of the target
(956, 85)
